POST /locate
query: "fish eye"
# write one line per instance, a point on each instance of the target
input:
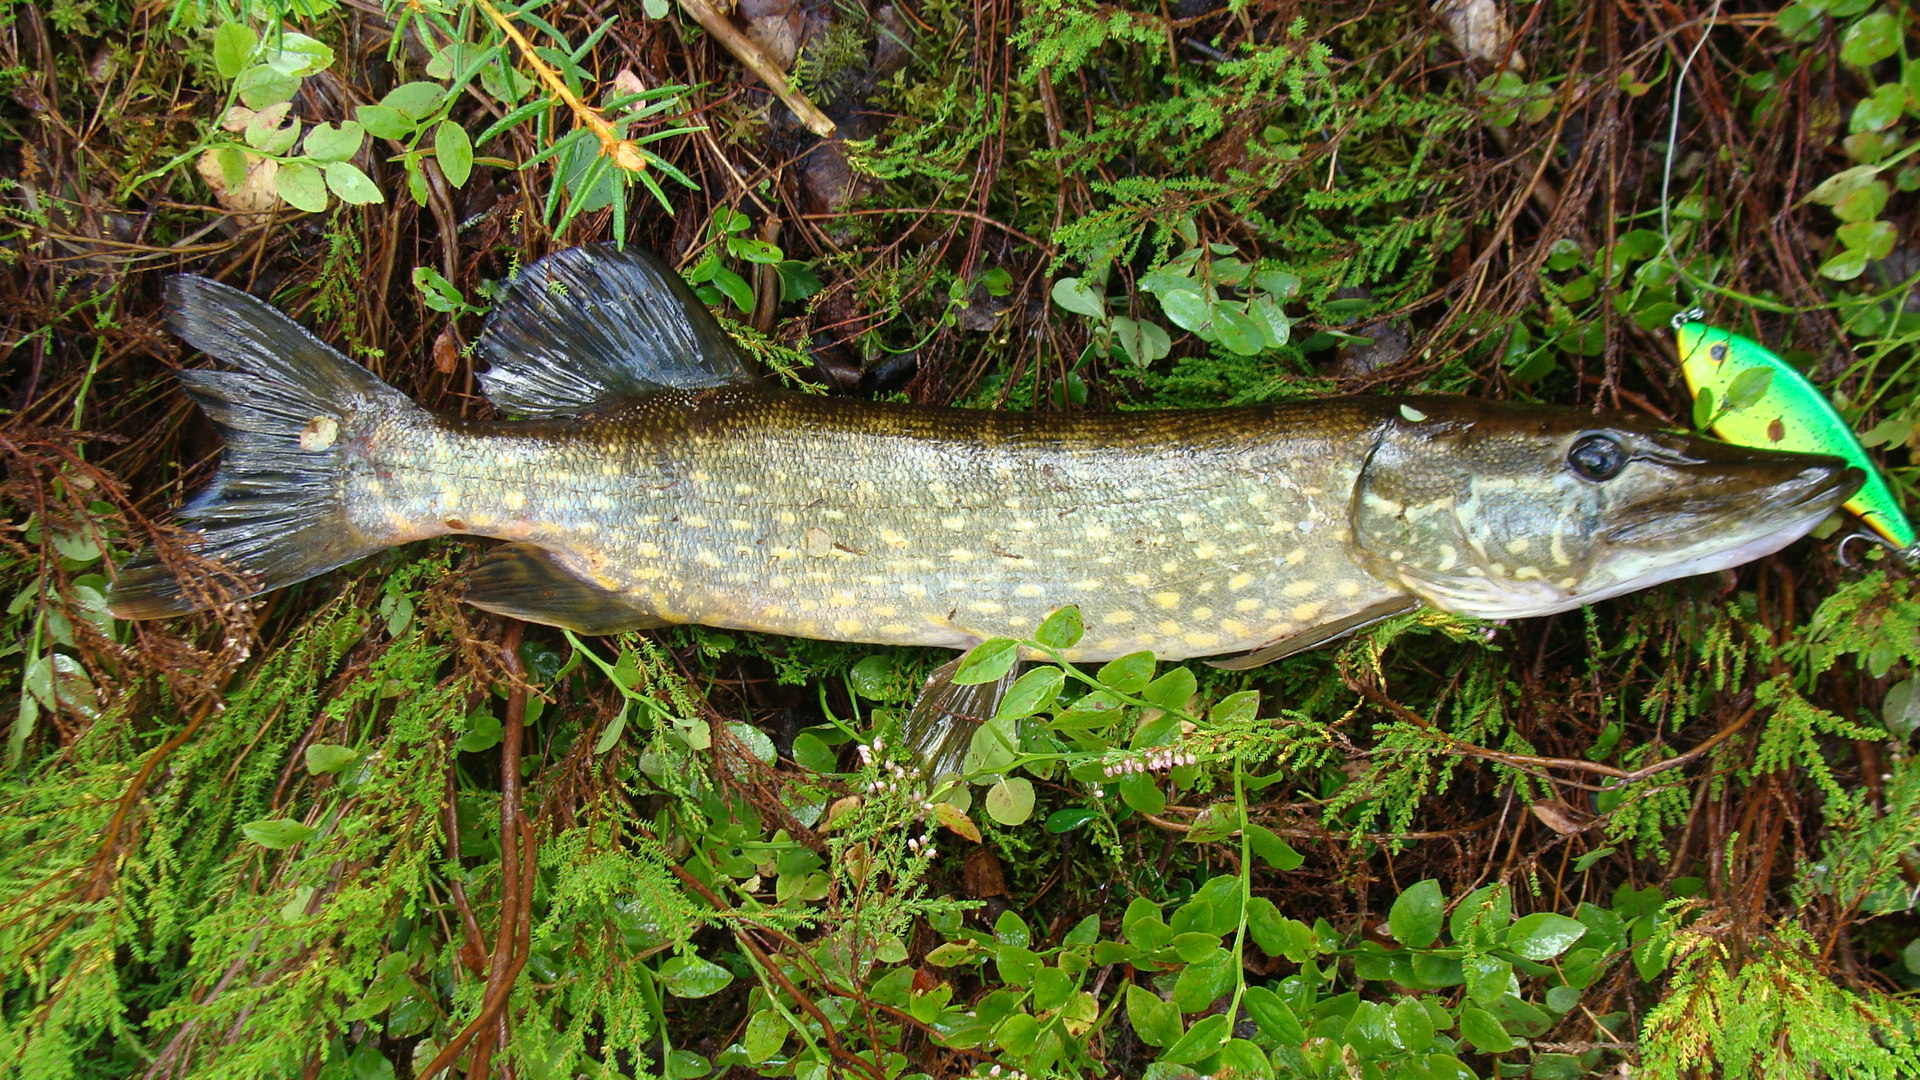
(1597, 457)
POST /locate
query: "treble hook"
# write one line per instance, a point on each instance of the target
(1691, 315)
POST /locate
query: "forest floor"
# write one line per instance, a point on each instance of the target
(358, 829)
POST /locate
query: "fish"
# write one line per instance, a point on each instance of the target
(642, 476)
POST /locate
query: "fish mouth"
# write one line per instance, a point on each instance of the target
(1779, 497)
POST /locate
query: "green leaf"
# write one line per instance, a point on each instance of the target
(454, 151)
(1204, 981)
(327, 758)
(1076, 296)
(1544, 935)
(1704, 412)
(1487, 978)
(1874, 238)
(297, 55)
(267, 134)
(1017, 1034)
(277, 833)
(1879, 110)
(1276, 852)
(1483, 1030)
(302, 186)
(987, 662)
(329, 143)
(415, 100)
(1417, 914)
(233, 47)
(754, 250)
(1864, 203)
(1157, 1022)
(1202, 1040)
(260, 86)
(734, 287)
(1870, 40)
(1748, 388)
(384, 122)
(1010, 802)
(1189, 310)
(1061, 630)
(436, 291)
(1845, 266)
(1031, 692)
(1172, 690)
(1277, 935)
(1142, 341)
(1128, 674)
(1410, 1027)
(1276, 1019)
(350, 184)
(1238, 331)
(1142, 792)
(693, 977)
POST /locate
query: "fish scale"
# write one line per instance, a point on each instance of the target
(827, 518)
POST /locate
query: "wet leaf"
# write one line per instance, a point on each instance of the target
(987, 662)
(1010, 801)
(1060, 630)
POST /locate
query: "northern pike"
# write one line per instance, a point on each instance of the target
(647, 478)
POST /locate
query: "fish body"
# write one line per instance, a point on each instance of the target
(653, 481)
(1788, 413)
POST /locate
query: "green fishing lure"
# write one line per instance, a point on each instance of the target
(1747, 395)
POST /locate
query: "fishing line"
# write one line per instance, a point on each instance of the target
(1666, 173)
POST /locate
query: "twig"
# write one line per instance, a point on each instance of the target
(745, 51)
(623, 151)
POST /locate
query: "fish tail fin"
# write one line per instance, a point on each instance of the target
(275, 511)
(938, 731)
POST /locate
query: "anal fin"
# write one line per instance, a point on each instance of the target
(524, 581)
(1319, 635)
(939, 728)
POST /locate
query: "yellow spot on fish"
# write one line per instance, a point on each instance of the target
(846, 626)
(1309, 611)
(840, 599)
(1117, 618)
(896, 629)
(1206, 551)
(1300, 588)
(647, 549)
(954, 524)
(694, 521)
(375, 487)
(1201, 640)
(1347, 589)
(1201, 613)
(705, 557)
(785, 517)
(514, 499)
(1167, 600)
(1025, 525)
(1027, 588)
(1188, 518)
(1251, 603)
(1239, 581)
(892, 538)
(1234, 627)
(1169, 627)
(1139, 580)
(1098, 532)
(1517, 545)
(961, 555)
(1296, 556)
(450, 497)
(886, 611)
(320, 433)
(816, 542)
(913, 588)
(609, 470)
(984, 607)
(1258, 498)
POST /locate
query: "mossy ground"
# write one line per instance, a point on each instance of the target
(357, 829)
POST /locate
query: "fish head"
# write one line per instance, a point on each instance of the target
(1501, 511)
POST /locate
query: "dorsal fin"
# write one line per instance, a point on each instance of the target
(591, 326)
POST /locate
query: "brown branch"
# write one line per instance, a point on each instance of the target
(745, 51)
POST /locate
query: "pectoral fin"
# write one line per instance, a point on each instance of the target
(1319, 635)
(939, 729)
(525, 582)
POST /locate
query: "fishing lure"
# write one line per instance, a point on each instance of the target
(1746, 394)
